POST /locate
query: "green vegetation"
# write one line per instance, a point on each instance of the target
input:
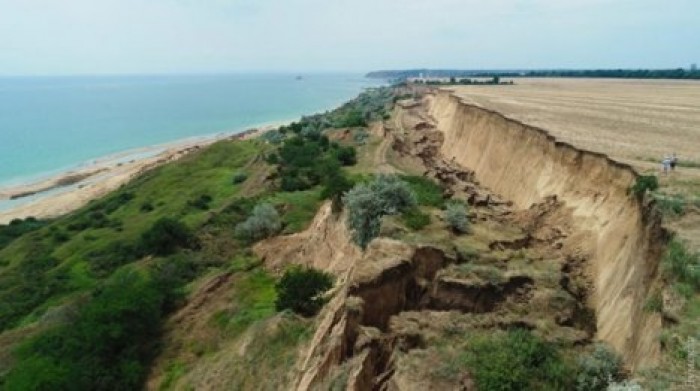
(670, 205)
(644, 183)
(110, 272)
(165, 236)
(239, 177)
(598, 369)
(87, 260)
(17, 228)
(299, 290)
(515, 360)
(255, 296)
(493, 80)
(456, 216)
(682, 266)
(427, 191)
(262, 223)
(415, 219)
(368, 203)
(108, 344)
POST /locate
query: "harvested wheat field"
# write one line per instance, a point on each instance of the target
(636, 121)
(633, 121)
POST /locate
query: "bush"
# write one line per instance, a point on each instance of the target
(516, 361)
(347, 156)
(165, 236)
(415, 219)
(104, 261)
(108, 346)
(351, 119)
(240, 177)
(147, 207)
(306, 162)
(273, 136)
(201, 202)
(428, 192)
(299, 290)
(624, 386)
(598, 369)
(644, 183)
(263, 222)
(456, 217)
(671, 205)
(17, 228)
(682, 265)
(334, 187)
(368, 203)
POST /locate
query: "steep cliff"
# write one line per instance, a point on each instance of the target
(620, 235)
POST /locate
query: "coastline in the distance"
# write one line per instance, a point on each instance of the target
(164, 123)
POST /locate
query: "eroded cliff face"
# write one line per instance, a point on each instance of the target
(619, 235)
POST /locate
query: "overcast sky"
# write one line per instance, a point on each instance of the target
(174, 36)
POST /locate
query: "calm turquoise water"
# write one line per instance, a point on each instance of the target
(48, 125)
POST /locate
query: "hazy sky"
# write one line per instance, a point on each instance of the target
(154, 36)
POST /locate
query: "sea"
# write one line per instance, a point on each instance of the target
(50, 125)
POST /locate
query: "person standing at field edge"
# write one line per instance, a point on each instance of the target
(674, 161)
(666, 163)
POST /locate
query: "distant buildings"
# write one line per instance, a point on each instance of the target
(693, 67)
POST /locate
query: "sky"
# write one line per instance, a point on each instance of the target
(63, 37)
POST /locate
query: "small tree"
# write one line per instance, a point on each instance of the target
(299, 290)
(456, 217)
(335, 186)
(262, 223)
(368, 203)
(598, 369)
(165, 236)
(347, 156)
(644, 183)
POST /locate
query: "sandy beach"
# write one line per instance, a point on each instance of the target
(70, 190)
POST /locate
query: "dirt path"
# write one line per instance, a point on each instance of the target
(381, 164)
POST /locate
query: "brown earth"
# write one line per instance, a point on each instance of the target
(620, 234)
(555, 254)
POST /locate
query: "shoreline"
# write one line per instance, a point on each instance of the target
(70, 189)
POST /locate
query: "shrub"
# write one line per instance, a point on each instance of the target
(624, 386)
(147, 207)
(347, 156)
(165, 236)
(262, 223)
(671, 205)
(104, 261)
(273, 136)
(17, 228)
(299, 290)
(428, 192)
(682, 265)
(597, 369)
(644, 183)
(201, 202)
(334, 187)
(108, 346)
(360, 136)
(240, 177)
(456, 217)
(516, 361)
(351, 119)
(654, 303)
(415, 219)
(368, 203)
